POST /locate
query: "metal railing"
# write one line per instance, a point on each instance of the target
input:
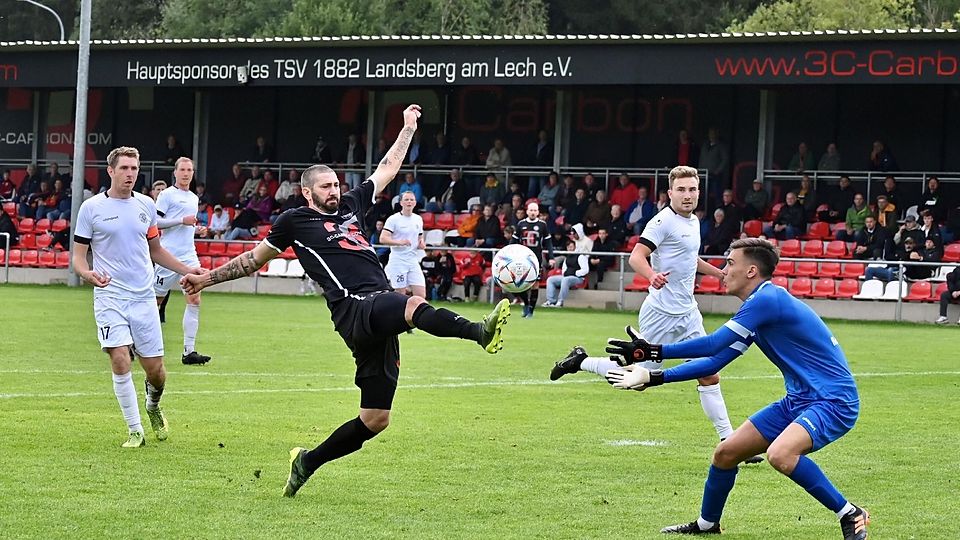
(867, 177)
(6, 257)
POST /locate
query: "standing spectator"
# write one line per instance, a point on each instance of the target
(261, 151)
(493, 190)
(685, 152)
(8, 191)
(440, 155)
(952, 294)
(886, 214)
(715, 157)
(156, 188)
(720, 235)
(838, 202)
(354, 159)
(790, 222)
(756, 201)
(219, 222)
(624, 193)
(448, 268)
(639, 212)
(499, 158)
(411, 184)
(731, 210)
(29, 186)
(807, 197)
(603, 244)
(549, 192)
(803, 160)
(543, 157)
(872, 242)
(173, 151)
(471, 270)
(856, 217)
(830, 161)
(618, 228)
(881, 159)
(598, 213)
(663, 200)
(380, 211)
(487, 232)
(322, 154)
(466, 155)
(932, 200)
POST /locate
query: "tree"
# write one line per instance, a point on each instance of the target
(124, 20)
(632, 17)
(221, 18)
(788, 15)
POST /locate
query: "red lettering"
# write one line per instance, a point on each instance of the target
(836, 70)
(818, 63)
(906, 67)
(875, 60)
(943, 62)
(474, 104)
(523, 115)
(628, 115)
(923, 60)
(600, 110)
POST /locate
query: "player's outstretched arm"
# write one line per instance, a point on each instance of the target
(242, 265)
(635, 377)
(391, 162)
(639, 350)
(707, 269)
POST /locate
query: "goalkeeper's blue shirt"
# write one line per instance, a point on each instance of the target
(792, 336)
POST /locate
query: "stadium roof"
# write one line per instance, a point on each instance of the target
(353, 41)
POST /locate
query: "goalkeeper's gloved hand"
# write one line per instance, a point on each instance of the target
(634, 377)
(637, 350)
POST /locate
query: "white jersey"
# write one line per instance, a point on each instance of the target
(405, 228)
(675, 241)
(117, 231)
(176, 203)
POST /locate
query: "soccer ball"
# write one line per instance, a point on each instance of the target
(516, 268)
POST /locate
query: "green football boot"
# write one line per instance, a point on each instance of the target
(298, 474)
(159, 423)
(136, 440)
(492, 327)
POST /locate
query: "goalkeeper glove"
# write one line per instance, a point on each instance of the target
(637, 350)
(634, 378)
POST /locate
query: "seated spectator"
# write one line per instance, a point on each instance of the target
(839, 200)
(8, 191)
(930, 228)
(34, 201)
(519, 214)
(289, 187)
(830, 161)
(454, 197)
(411, 184)
(892, 192)
(269, 182)
(720, 235)
(203, 219)
(755, 201)
(471, 270)
(262, 203)
(856, 217)
(887, 214)
(909, 252)
(933, 201)
(250, 185)
(230, 192)
(802, 160)
(383, 252)
(639, 211)
(705, 224)
(598, 213)
(380, 211)
(574, 269)
(601, 263)
(219, 223)
(790, 222)
(487, 234)
(49, 207)
(549, 192)
(575, 212)
(881, 159)
(567, 192)
(807, 197)
(513, 191)
(909, 229)
(296, 201)
(493, 190)
(467, 227)
(202, 194)
(624, 193)
(731, 210)
(663, 200)
(618, 227)
(952, 294)
(873, 242)
(590, 186)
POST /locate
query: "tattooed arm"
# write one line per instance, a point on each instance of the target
(391, 162)
(238, 267)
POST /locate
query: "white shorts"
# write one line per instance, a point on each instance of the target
(658, 327)
(129, 322)
(165, 279)
(404, 275)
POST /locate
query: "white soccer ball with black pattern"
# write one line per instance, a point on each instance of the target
(516, 268)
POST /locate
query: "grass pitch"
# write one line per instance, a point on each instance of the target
(480, 446)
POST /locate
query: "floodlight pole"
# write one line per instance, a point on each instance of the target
(59, 21)
(80, 129)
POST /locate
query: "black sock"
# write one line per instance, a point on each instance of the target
(534, 296)
(346, 439)
(445, 323)
(163, 307)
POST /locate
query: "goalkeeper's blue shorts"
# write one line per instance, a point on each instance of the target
(825, 421)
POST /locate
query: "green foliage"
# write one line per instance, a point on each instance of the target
(788, 15)
(221, 18)
(632, 17)
(124, 20)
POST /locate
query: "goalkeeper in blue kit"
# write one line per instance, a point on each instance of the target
(821, 405)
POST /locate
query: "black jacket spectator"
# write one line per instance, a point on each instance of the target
(839, 201)
(876, 242)
(933, 201)
(618, 230)
(792, 215)
(488, 227)
(603, 244)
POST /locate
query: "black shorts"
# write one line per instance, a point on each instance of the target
(369, 324)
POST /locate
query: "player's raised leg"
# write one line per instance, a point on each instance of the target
(442, 322)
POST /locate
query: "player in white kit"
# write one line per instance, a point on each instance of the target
(177, 218)
(120, 226)
(669, 313)
(403, 232)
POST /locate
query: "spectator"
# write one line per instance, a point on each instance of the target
(567, 193)
(354, 160)
(549, 192)
(261, 151)
(380, 211)
(590, 186)
(932, 200)
(803, 160)
(519, 214)
(807, 197)
(872, 242)
(663, 200)
(29, 208)
(262, 203)
(202, 194)
(685, 151)
(909, 229)
(886, 214)
(270, 182)
(411, 184)
(909, 252)
(29, 186)
(881, 159)
(603, 244)
(575, 267)
(416, 152)
(720, 235)
(624, 193)
(49, 207)
(493, 190)
(466, 155)
(543, 158)
(454, 197)
(830, 161)
(952, 294)
(219, 222)
(467, 227)
(440, 155)
(598, 213)
(430, 264)
(230, 192)
(289, 187)
(575, 212)
(790, 222)
(322, 154)
(515, 201)
(156, 188)
(471, 270)
(487, 234)
(383, 252)
(715, 157)
(448, 267)
(618, 225)
(951, 231)
(250, 185)
(639, 212)
(930, 228)
(756, 201)
(203, 220)
(892, 192)
(52, 174)
(856, 217)
(839, 201)
(295, 201)
(731, 210)
(499, 158)
(8, 191)
(173, 151)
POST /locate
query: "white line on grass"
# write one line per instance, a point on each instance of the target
(470, 384)
(630, 442)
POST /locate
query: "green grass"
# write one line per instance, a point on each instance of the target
(480, 446)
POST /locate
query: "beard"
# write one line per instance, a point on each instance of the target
(330, 206)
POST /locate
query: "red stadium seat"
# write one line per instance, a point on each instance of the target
(234, 249)
(59, 225)
(3, 257)
(822, 208)
(806, 269)
(708, 285)
(784, 268)
(951, 253)
(824, 288)
(836, 249)
(263, 231)
(10, 208)
(819, 231)
(30, 258)
(934, 296)
(41, 226)
(639, 283)
(220, 261)
(28, 241)
(206, 262)
(445, 221)
(215, 249)
(829, 270)
(812, 249)
(287, 254)
(63, 259)
(853, 270)
(774, 212)
(753, 228)
(847, 288)
(44, 241)
(202, 247)
(632, 243)
(48, 259)
(780, 281)
(801, 287)
(790, 248)
(919, 292)
(249, 247)
(429, 220)
(15, 257)
(25, 225)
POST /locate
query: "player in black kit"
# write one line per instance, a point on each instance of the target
(533, 233)
(328, 238)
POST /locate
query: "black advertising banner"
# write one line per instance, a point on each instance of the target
(459, 63)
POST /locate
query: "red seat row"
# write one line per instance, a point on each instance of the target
(36, 259)
(813, 269)
(29, 225)
(846, 288)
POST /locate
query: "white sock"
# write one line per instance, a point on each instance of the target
(127, 397)
(847, 508)
(704, 524)
(716, 410)
(191, 322)
(598, 364)
(153, 396)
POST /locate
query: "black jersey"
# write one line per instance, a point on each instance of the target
(534, 235)
(333, 248)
